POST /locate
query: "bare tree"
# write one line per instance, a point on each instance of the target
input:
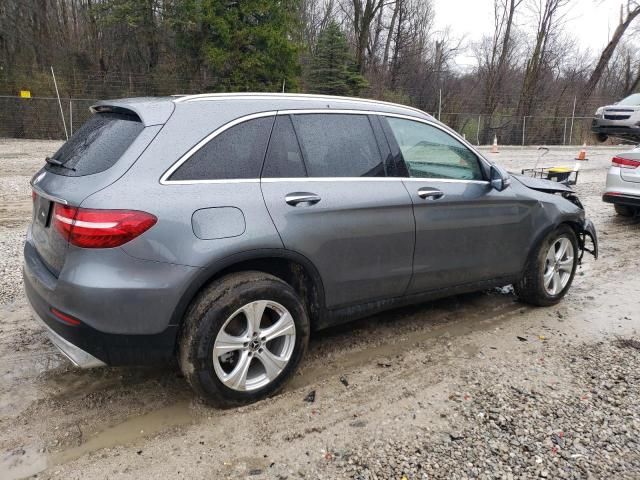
(501, 50)
(549, 17)
(364, 13)
(632, 11)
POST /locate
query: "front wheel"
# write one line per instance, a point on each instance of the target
(551, 268)
(243, 338)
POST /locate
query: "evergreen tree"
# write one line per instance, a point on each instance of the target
(239, 46)
(332, 70)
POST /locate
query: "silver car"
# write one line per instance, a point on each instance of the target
(224, 229)
(623, 183)
(621, 119)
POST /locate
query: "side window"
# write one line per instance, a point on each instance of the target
(339, 145)
(237, 152)
(284, 159)
(431, 153)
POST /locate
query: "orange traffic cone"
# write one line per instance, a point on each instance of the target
(494, 147)
(582, 154)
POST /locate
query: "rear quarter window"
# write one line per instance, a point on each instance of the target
(97, 145)
(236, 153)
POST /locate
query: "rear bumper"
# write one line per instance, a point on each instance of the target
(124, 309)
(78, 357)
(622, 199)
(87, 347)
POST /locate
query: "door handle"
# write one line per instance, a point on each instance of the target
(431, 193)
(305, 198)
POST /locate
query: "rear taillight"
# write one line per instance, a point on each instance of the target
(625, 162)
(89, 228)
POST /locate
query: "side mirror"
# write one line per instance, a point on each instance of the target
(499, 178)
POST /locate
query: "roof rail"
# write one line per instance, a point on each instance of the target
(297, 96)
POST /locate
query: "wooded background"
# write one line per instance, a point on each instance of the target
(529, 72)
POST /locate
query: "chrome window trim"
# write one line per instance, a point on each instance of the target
(369, 179)
(164, 179)
(327, 179)
(445, 180)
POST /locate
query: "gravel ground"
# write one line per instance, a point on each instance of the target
(584, 424)
(475, 386)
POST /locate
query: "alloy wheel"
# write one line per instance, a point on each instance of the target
(558, 266)
(254, 345)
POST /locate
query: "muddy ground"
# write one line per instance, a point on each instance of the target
(391, 380)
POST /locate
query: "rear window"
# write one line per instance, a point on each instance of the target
(98, 144)
(339, 145)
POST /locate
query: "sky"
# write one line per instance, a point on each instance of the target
(590, 21)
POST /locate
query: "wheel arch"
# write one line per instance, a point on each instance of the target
(292, 267)
(574, 224)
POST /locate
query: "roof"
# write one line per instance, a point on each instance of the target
(298, 97)
(157, 110)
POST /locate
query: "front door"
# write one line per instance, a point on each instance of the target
(466, 232)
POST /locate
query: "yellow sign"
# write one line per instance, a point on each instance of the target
(25, 94)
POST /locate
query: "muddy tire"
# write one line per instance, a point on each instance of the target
(625, 210)
(243, 338)
(550, 270)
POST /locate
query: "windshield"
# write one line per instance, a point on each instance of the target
(97, 145)
(631, 100)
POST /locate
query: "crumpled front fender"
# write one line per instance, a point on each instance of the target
(588, 231)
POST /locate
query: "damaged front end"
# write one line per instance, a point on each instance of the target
(587, 236)
(587, 231)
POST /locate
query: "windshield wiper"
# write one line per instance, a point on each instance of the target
(57, 163)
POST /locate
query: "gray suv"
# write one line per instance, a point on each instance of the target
(223, 229)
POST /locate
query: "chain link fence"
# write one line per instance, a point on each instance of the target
(41, 118)
(517, 130)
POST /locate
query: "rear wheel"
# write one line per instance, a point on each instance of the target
(625, 210)
(243, 338)
(551, 269)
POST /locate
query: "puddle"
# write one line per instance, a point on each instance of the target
(30, 460)
(129, 431)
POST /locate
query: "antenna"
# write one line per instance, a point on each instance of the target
(64, 123)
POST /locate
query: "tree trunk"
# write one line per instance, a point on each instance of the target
(606, 55)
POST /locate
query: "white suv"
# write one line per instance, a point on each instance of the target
(621, 119)
(623, 183)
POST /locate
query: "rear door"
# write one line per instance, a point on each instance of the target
(326, 187)
(466, 231)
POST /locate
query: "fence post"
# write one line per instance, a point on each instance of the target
(573, 116)
(564, 133)
(439, 104)
(70, 117)
(64, 122)
(478, 131)
(524, 127)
